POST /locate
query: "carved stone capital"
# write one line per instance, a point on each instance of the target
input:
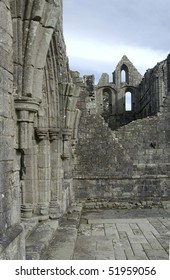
(26, 109)
(67, 132)
(53, 133)
(26, 104)
(41, 133)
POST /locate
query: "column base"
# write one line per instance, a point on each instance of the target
(26, 210)
(54, 210)
(43, 210)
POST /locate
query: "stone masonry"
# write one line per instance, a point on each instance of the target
(37, 118)
(123, 156)
(65, 140)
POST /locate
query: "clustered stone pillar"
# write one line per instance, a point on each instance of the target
(67, 167)
(54, 136)
(26, 109)
(44, 175)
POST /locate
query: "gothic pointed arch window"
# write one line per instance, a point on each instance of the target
(124, 74)
(128, 101)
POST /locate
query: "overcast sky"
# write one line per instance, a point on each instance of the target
(99, 32)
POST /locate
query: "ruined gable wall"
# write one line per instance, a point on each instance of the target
(126, 78)
(133, 76)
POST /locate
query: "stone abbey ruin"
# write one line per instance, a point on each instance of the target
(65, 140)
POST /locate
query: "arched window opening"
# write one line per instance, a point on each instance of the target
(128, 101)
(124, 74)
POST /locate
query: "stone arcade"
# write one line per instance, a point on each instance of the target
(64, 140)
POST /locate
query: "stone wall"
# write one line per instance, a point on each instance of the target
(45, 99)
(153, 90)
(37, 119)
(11, 232)
(130, 164)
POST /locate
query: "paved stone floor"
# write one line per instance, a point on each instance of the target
(136, 234)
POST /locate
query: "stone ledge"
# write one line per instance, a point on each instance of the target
(140, 177)
(40, 238)
(63, 244)
(148, 204)
(29, 225)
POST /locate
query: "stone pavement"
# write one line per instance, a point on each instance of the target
(136, 234)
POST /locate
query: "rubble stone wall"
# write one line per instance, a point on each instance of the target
(128, 164)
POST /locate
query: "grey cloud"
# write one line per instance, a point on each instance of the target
(144, 23)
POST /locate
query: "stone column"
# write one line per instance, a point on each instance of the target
(67, 167)
(55, 173)
(44, 175)
(26, 109)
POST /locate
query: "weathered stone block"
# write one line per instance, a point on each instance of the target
(7, 152)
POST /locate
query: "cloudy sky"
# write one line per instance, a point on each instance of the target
(99, 32)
